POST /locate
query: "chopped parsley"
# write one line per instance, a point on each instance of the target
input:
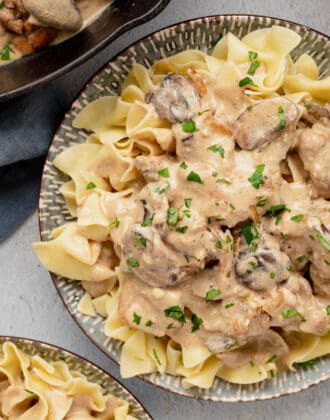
(262, 202)
(290, 313)
(327, 262)
(90, 185)
(214, 173)
(253, 67)
(229, 305)
(297, 217)
(5, 53)
(253, 264)
(140, 359)
(300, 258)
(136, 318)
(232, 206)
(281, 116)
(228, 239)
(148, 323)
(197, 322)
(170, 326)
(175, 312)
(182, 229)
(328, 310)
(187, 213)
(148, 221)
(156, 356)
(218, 244)
(162, 190)
(217, 149)
(32, 394)
(249, 271)
(165, 173)
(271, 359)
(211, 294)
(247, 81)
(323, 241)
(231, 346)
(276, 210)
(189, 126)
(252, 55)
(256, 179)
(203, 112)
(272, 275)
(183, 165)
(250, 233)
(2, 5)
(115, 222)
(278, 220)
(141, 241)
(214, 42)
(172, 216)
(251, 363)
(311, 237)
(223, 181)
(187, 202)
(132, 262)
(272, 373)
(194, 177)
(307, 363)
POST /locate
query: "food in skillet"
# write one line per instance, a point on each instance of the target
(201, 198)
(32, 388)
(29, 25)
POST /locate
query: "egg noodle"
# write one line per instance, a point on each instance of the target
(202, 221)
(33, 388)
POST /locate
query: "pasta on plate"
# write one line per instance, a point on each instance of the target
(33, 388)
(202, 221)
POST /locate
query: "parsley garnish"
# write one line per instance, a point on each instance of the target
(183, 165)
(141, 241)
(272, 275)
(148, 323)
(250, 233)
(187, 213)
(272, 373)
(271, 359)
(132, 262)
(32, 394)
(278, 219)
(172, 216)
(2, 5)
(175, 312)
(218, 149)
(136, 318)
(229, 305)
(281, 116)
(211, 294)
(256, 179)
(203, 112)
(231, 346)
(156, 356)
(307, 363)
(232, 206)
(247, 81)
(215, 41)
(223, 181)
(163, 189)
(189, 126)
(90, 185)
(323, 241)
(253, 67)
(328, 310)
(187, 202)
(327, 262)
(115, 222)
(165, 173)
(5, 53)
(170, 326)
(194, 177)
(276, 210)
(182, 229)
(197, 322)
(218, 244)
(262, 202)
(249, 108)
(228, 239)
(297, 217)
(290, 313)
(252, 55)
(148, 221)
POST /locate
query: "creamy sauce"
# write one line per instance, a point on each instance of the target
(239, 284)
(90, 11)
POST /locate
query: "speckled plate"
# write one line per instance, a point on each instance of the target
(197, 34)
(92, 372)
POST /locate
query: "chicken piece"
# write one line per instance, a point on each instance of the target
(314, 151)
(35, 40)
(176, 99)
(262, 123)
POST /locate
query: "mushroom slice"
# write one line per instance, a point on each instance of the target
(60, 14)
(219, 343)
(176, 99)
(262, 123)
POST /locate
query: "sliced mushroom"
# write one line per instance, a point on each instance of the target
(219, 343)
(176, 99)
(259, 125)
(60, 14)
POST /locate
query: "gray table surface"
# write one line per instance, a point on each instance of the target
(30, 306)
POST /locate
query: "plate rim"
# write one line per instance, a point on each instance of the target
(146, 377)
(73, 355)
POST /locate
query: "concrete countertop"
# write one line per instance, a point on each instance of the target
(30, 305)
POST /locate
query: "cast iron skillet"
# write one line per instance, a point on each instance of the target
(22, 75)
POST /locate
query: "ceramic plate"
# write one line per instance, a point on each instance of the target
(197, 34)
(79, 364)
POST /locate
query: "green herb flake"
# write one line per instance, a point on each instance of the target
(183, 165)
(307, 363)
(132, 262)
(251, 363)
(2, 5)
(115, 222)
(189, 126)
(187, 213)
(271, 359)
(156, 356)
(249, 108)
(328, 310)
(32, 394)
(142, 241)
(253, 264)
(194, 177)
(214, 174)
(253, 67)
(136, 318)
(90, 185)
(250, 233)
(311, 237)
(272, 275)
(162, 190)
(197, 322)
(140, 359)
(217, 149)
(247, 81)
(278, 220)
(218, 244)
(246, 296)
(229, 305)
(252, 55)
(203, 112)
(272, 373)
(327, 262)
(182, 229)
(148, 323)
(5, 53)
(256, 179)
(262, 202)
(297, 217)
(214, 42)
(232, 206)
(281, 116)
(223, 181)
(148, 221)
(170, 326)
(187, 202)
(323, 241)
(172, 216)
(175, 312)
(231, 346)
(211, 294)
(228, 239)
(290, 313)
(276, 210)
(300, 258)
(165, 173)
